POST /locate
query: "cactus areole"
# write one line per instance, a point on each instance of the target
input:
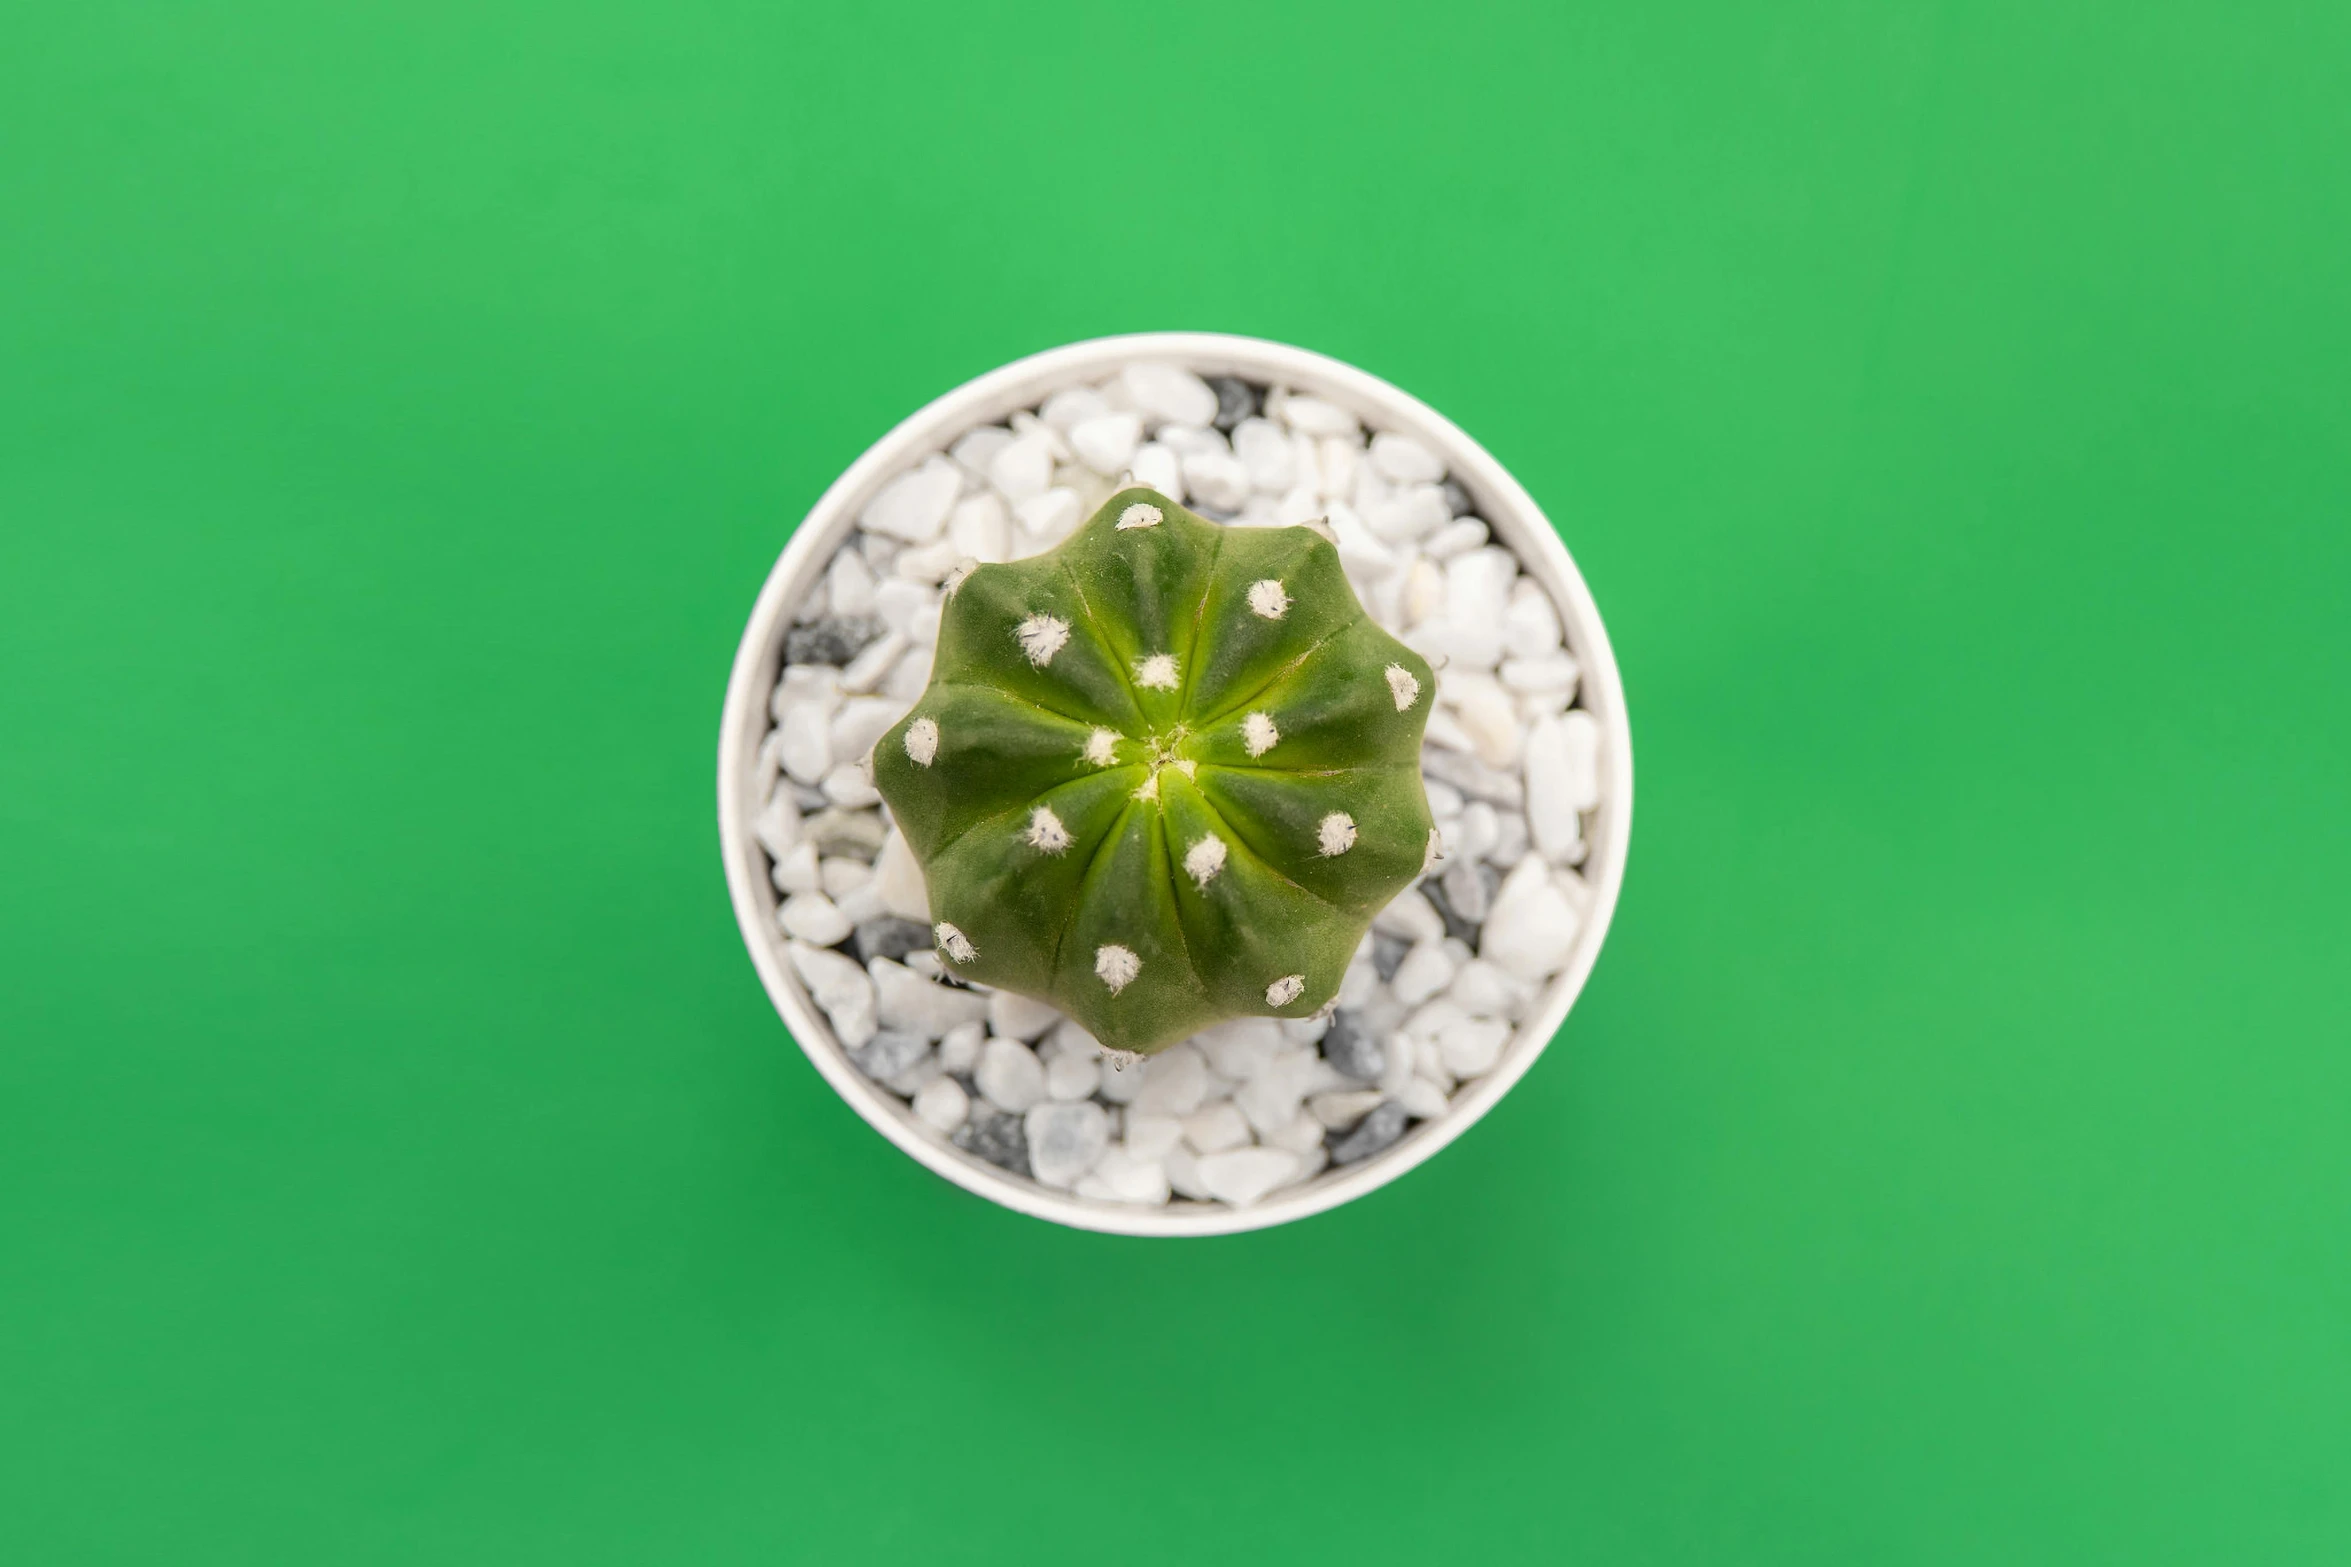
(1163, 775)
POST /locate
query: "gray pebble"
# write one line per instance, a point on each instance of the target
(1350, 1048)
(1467, 891)
(1373, 1133)
(997, 1138)
(888, 1053)
(1386, 953)
(1433, 889)
(836, 639)
(1457, 499)
(1236, 400)
(889, 937)
(855, 834)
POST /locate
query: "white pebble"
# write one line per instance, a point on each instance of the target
(1340, 1109)
(797, 870)
(1065, 1140)
(777, 826)
(1477, 592)
(1421, 1098)
(1010, 1075)
(1158, 467)
(1214, 1128)
(898, 601)
(1024, 468)
(1122, 1175)
(848, 787)
(1426, 969)
(927, 563)
(807, 748)
(811, 917)
(1183, 1174)
(1168, 394)
(1240, 1047)
(898, 879)
(1072, 1075)
(1336, 458)
(1019, 1017)
(1107, 444)
(1471, 1045)
(906, 1000)
(1313, 416)
(1553, 671)
(860, 722)
(1066, 410)
(1532, 926)
(1271, 1097)
(912, 507)
(981, 530)
(865, 671)
(1411, 916)
(850, 584)
(1216, 478)
(1456, 537)
(1122, 1077)
(942, 1104)
(1484, 989)
(1421, 599)
(1556, 776)
(1301, 1134)
(1151, 1136)
(1264, 450)
(1402, 460)
(959, 1047)
(1052, 515)
(841, 988)
(1417, 511)
(1486, 714)
(1531, 627)
(1241, 1176)
(978, 448)
(1174, 1082)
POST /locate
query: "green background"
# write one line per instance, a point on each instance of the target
(401, 403)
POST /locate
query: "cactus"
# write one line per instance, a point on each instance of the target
(1163, 775)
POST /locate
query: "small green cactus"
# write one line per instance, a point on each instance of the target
(1164, 774)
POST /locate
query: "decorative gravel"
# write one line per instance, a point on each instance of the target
(1253, 1105)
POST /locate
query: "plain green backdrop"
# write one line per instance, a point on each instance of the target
(400, 404)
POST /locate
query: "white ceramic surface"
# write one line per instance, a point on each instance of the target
(1508, 510)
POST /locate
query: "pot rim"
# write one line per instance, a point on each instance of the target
(1516, 522)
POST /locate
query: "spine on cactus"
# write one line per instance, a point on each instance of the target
(1163, 775)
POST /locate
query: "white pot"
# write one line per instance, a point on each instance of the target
(1509, 511)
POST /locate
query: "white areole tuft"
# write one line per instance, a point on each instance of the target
(922, 741)
(1403, 685)
(1436, 851)
(1204, 859)
(1157, 673)
(1042, 636)
(955, 943)
(1140, 515)
(1116, 965)
(1258, 734)
(1046, 832)
(1102, 747)
(1150, 789)
(1266, 598)
(1336, 835)
(1285, 990)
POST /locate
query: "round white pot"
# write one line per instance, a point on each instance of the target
(1516, 522)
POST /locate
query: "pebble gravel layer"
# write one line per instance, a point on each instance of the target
(1255, 1105)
